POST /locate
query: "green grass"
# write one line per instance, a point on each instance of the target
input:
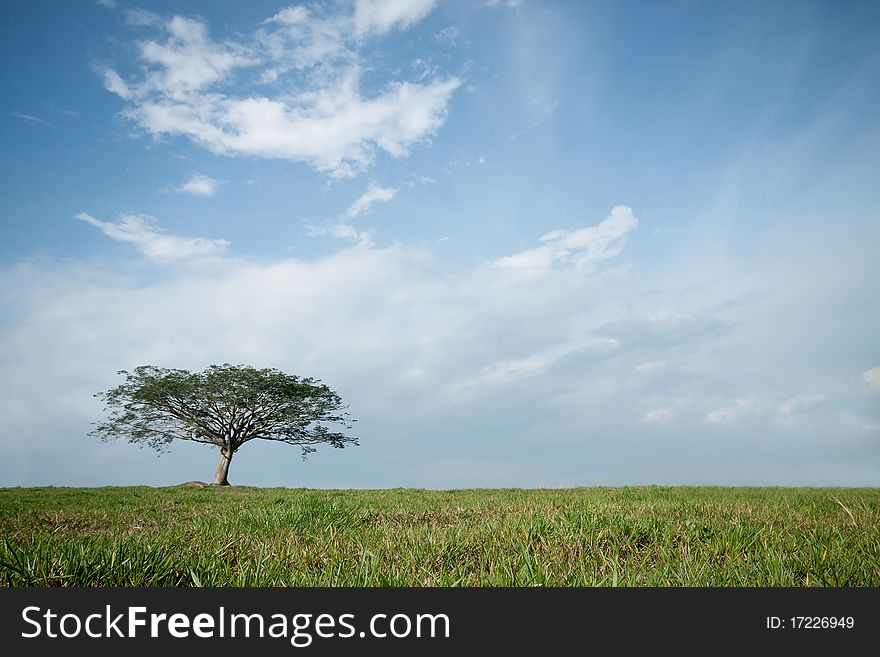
(236, 536)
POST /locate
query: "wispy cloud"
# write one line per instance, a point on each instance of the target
(545, 112)
(581, 248)
(448, 35)
(341, 230)
(871, 378)
(533, 361)
(200, 185)
(741, 407)
(381, 16)
(142, 17)
(468, 162)
(652, 366)
(319, 116)
(188, 60)
(29, 118)
(669, 411)
(417, 179)
(152, 241)
(373, 194)
(799, 404)
(510, 4)
(765, 408)
(658, 415)
(508, 370)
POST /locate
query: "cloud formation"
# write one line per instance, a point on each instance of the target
(871, 378)
(743, 406)
(373, 194)
(30, 118)
(541, 366)
(200, 185)
(152, 241)
(799, 404)
(658, 415)
(292, 90)
(380, 16)
(765, 407)
(580, 248)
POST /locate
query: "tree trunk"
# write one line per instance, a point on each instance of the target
(222, 468)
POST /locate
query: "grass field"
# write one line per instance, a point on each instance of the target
(236, 536)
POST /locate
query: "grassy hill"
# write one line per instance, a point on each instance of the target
(236, 536)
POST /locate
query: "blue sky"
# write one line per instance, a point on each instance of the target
(530, 243)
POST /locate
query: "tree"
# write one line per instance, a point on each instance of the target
(226, 406)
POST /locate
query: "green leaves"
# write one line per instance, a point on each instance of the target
(224, 405)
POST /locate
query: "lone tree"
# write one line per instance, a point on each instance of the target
(226, 406)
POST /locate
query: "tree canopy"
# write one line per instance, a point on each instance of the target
(225, 406)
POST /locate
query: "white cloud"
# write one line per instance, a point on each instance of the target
(335, 130)
(653, 366)
(109, 4)
(448, 35)
(378, 323)
(799, 404)
(152, 241)
(505, 371)
(666, 412)
(200, 185)
(395, 335)
(142, 17)
(297, 39)
(321, 117)
(510, 370)
(416, 179)
(344, 231)
(618, 274)
(764, 407)
(437, 326)
(581, 248)
(30, 118)
(719, 415)
(341, 231)
(741, 407)
(455, 162)
(658, 415)
(187, 61)
(115, 84)
(872, 378)
(373, 194)
(380, 16)
(544, 111)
